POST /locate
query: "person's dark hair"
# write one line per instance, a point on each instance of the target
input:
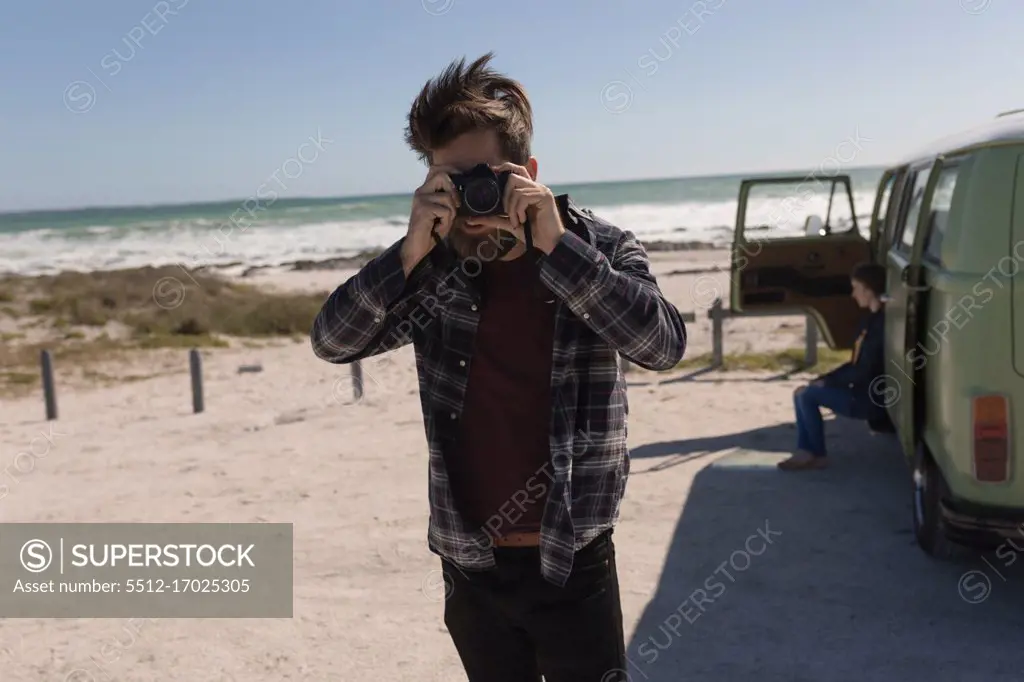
(872, 276)
(467, 99)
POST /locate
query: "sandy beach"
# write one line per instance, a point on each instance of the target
(837, 592)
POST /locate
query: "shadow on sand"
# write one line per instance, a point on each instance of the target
(816, 575)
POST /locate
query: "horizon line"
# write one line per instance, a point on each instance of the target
(347, 197)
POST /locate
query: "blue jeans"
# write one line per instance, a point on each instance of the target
(809, 427)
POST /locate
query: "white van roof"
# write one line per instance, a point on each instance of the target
(1006, 127)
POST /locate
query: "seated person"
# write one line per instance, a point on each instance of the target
(851, 390)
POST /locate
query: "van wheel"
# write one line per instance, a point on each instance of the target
(929, 488)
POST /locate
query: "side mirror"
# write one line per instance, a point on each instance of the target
(813, 227)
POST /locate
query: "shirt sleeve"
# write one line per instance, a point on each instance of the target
(369, 313)
(619, 299)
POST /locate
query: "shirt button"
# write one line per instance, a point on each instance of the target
(376, 320)
(586, 316)
(473, 307)
(462, 363)
(453, 415)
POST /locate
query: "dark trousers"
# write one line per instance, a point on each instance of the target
(810, 429)
(510, 625)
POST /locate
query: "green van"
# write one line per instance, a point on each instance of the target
(948, 224)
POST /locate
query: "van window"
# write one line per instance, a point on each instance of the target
(801, 207)
(894, 207)
(914, 210)
(938, 217)
(883, 206)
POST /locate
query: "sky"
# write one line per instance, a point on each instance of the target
(124, 102)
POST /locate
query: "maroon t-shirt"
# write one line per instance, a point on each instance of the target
(499, 466)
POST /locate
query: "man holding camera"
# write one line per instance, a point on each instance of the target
(518, 304)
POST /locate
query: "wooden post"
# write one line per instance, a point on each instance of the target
(49, 392)
(811, 342)
(357, 380)
(195, 364)
(716, 314)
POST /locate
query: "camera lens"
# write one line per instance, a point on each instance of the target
(482, 195)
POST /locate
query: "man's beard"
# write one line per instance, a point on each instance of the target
(487, 245)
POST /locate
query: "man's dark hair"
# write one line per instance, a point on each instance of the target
(467, 99)
(872, 276)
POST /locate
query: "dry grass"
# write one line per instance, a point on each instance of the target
(86, 319)
(19, 364)
(165, 301)
(18, 378)
(789, 360)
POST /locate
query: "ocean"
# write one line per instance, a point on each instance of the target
(281, 231)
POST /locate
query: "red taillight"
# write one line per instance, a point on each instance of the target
(990, 421)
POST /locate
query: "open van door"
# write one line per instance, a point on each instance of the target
(785, 257)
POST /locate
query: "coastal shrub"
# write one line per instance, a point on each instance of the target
(168, 301)
(275, 317)
(42, 306)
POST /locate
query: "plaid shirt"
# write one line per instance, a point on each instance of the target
(607, 303)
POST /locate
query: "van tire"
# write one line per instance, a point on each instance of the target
(928, 490)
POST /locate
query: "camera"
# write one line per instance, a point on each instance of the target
(480, 191)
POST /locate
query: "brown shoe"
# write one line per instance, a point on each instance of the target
(803, 461)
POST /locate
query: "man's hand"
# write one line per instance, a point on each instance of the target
(525, 200)
(433, 210)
